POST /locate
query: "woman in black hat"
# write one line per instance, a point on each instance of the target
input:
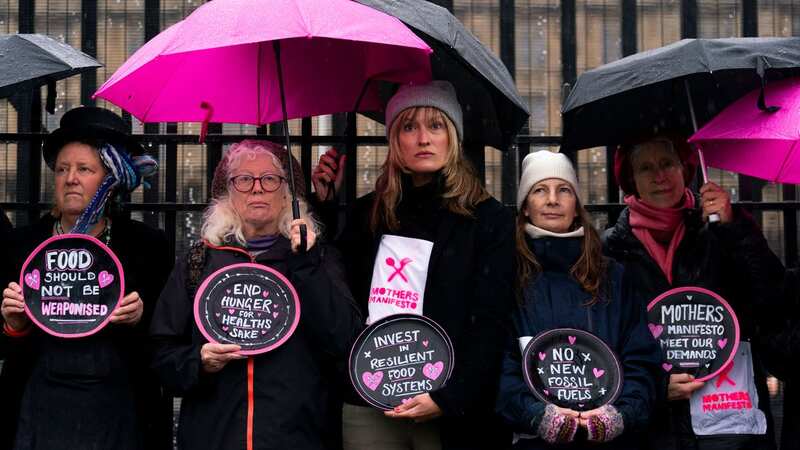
(94, 392)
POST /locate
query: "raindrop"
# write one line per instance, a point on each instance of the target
(544, 52)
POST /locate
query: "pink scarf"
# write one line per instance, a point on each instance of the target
(646, 219)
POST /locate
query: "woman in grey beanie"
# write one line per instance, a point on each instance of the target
(460, 241)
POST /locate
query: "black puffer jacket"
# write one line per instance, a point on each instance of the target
(286, 394)
(730, 259)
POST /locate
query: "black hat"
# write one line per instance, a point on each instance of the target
(89, 122)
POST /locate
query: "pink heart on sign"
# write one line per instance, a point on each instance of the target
(231, 310)
(542, 356)
(425, 342)
(372, 380)
(580, 405)
(275, 314)
(228, 291)
(224, 328)
(217, 314)
(667, 367)
(265, 294)
(33, 280)
(656, 330)
(598, 372)
(433, 371)
(571, 339)
(546, 392)
(722, 342)
(263, 331)
(104, 279)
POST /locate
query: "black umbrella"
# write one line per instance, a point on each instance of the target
(33, 60)
(494, 111)
(671, 87)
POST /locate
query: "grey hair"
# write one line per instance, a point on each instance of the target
(221, 222)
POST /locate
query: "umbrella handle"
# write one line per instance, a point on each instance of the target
(712, 218)
(303, 229)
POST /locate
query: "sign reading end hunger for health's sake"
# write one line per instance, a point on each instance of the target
(71, 283)
(697, 330)
(399, 357)
(250, 305)
(572, 369)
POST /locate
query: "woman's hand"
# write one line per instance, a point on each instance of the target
(129, 311)
(215, 356)
(294, 233)
(330, 169)
(420, 408)
(716, 200)
(681, 386)
(602, 424)
(13, 308)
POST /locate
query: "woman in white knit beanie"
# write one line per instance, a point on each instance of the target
(564, 281)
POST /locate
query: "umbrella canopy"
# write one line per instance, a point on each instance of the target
(645, 93)
(494, 111)
(33, 60)
(218, 64)
(748, 140)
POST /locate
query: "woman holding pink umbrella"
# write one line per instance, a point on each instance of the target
(664, 241)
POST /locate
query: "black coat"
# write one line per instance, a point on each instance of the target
(782, 349)
(95, 392)
(554, 299)
(732, 260)
(291, 385)
(468, 292)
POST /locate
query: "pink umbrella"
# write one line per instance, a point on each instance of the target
(222, 55)
(757, 141)
(259, 61)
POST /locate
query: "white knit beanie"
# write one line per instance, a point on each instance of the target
(439, 94)
(541, 165)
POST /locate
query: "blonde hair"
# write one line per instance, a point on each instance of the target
(221, 222)
(462, 188)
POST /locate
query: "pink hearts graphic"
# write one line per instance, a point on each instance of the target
(231, 310)
(264, 332)
(217, 314)
(542, 356)
(33, 280)
(580, 405)
(372, 380)
(265, 294)
(598, 372)
(228, 291)
(433, 371)
(722, 342)
(104, 279)
(425, 342)
(571, 339)
(275, 314)
(546, 392)
(656, 330)
(667, 367)
(224, 328)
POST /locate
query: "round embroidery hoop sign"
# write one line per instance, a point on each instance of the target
(697, 330)
(72, 283)
(399, 357)
(572, 369)
(250, 305)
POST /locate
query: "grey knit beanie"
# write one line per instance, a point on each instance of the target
(544, 164)
(439, 94)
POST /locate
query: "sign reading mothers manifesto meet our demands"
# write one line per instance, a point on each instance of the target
(250, 305)
(572, 369)
(398, 358)
(71, 283)
(697, 329)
